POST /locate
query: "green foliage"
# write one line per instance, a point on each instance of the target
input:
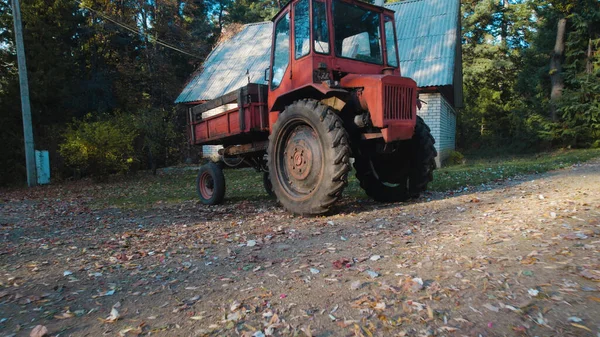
(580, 113)
(99, 147)
(455, 158)
(161, 140)
(80, 61)
(579, 124)
(493, 43)
(247, 11)
(506, 62)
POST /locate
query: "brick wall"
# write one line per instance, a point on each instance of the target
(439, 115)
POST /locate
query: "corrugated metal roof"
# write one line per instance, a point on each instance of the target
(428, 32)
(427, 41)
(230, 64)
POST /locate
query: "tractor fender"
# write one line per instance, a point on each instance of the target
(315, 91)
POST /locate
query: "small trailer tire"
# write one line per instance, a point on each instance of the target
(210, 184)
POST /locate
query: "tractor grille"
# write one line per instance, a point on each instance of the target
(398, 102)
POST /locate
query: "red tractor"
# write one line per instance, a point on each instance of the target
(335, 92)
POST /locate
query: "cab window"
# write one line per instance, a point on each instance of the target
(390, 42)
(320, 28)
(301, 29)
(281, 50)
(357, 33)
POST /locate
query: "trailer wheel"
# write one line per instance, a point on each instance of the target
(267, 184)
(399, 175)
(309, 157)
(210, 184)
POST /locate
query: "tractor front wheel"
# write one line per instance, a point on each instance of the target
(309, 157)
(210, 184)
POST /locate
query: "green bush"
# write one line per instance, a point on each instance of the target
(160, 139)
(99, 147)
(455, 158)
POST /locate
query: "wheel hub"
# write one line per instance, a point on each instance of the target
(299, 160)
(206, 185)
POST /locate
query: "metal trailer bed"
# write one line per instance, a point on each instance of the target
(238, 117)
(239, 121)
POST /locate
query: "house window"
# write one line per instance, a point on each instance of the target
(281, 50)
(301, 28)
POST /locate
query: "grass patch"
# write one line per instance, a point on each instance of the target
(175, 186)
(485, 170)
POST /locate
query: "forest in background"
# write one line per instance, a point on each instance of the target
(103, 76)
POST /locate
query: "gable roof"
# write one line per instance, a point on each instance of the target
(230, 64)
(428, 33)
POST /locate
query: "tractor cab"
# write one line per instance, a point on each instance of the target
(345, 49)
(333, 38)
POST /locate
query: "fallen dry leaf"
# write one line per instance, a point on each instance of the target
(581, 327)
(113, 317)
(589, 274)
(131, 330)
(65, 315)
(39, 331)
(307, 331)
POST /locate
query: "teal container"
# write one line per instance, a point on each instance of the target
(42, 164)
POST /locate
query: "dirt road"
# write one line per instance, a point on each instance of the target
(515, 258)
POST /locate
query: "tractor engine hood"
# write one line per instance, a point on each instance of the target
(391, 101)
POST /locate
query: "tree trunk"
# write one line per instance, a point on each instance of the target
(556, 67)
(504, 26)
(588, 59)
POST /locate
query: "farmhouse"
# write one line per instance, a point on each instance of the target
(429, 46)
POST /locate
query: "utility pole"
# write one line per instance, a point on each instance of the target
(25, 107)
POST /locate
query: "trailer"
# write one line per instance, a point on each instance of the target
(334, 92)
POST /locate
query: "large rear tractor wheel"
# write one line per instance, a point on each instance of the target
(422, 159)
(210, 184)
(267, 184)
(401, 174)
(309, 157)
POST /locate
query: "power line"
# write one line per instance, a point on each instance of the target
(133, 30)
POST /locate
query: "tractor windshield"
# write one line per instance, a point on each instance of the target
(357, 33)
